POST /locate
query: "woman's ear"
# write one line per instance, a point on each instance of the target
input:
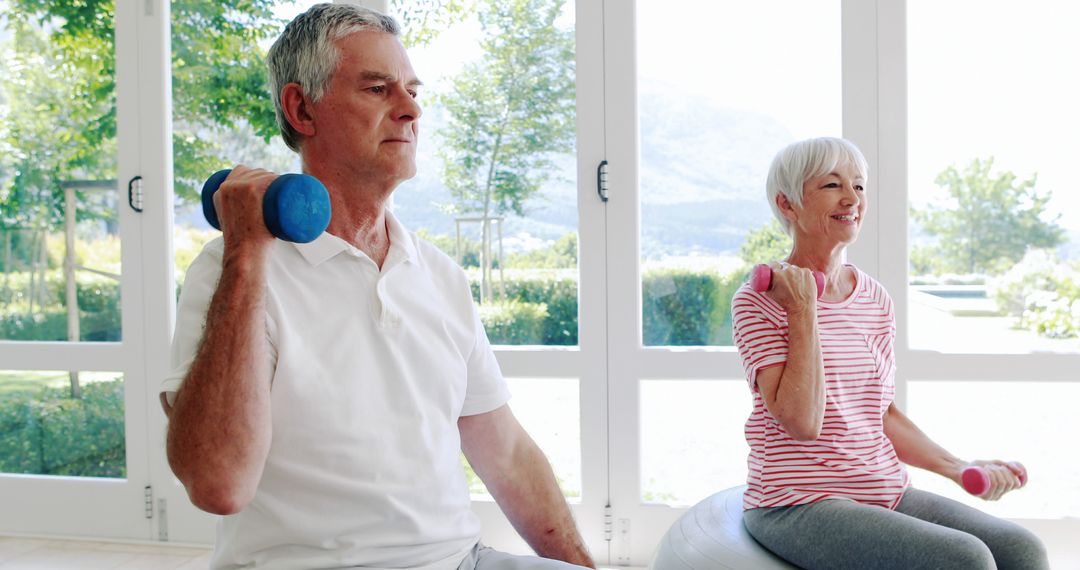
(786, 209)
(297, 109)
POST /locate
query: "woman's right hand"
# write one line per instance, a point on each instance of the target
(793, 288)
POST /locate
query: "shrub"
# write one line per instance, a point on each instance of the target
(48, 433)
(99, 311)
(514, 322)
(683, 307)
(558, 291)
(1042, 293)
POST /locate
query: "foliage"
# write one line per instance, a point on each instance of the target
(766, 244)
(563, 254)
(512, 109)
(187, 244)
(514, 322)
(558, 291)
(1042, 293)
(986, 222)
(61, 101)
(470, 248)
(45, 432)
(421, 20)
(509, 113)
(59, 107)
(681, 307)
(99, 309)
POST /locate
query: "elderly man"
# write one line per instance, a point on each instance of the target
(322, 393)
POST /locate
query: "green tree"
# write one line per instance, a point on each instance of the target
(561, 254)
(985, 222)
(510, 113)
(60, 109)
(422, 20)
(766, 244)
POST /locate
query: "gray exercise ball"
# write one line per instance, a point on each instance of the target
(710, 536)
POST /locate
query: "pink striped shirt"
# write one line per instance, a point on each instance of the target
(852, 458)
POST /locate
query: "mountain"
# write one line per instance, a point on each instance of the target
(702, 181)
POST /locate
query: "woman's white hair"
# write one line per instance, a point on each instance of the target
(803, 160)
(305, 52)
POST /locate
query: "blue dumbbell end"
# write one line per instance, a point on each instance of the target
(296, 208)
(208, 190)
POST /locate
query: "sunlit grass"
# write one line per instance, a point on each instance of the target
(13, 381)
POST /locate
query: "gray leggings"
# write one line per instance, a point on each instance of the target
(925, 531)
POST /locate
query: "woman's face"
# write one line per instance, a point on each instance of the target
(832, 208)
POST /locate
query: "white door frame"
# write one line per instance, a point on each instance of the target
(100, 507)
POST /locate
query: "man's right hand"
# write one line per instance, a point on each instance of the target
(238, 202)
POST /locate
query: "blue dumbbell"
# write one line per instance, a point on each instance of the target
(296, 207)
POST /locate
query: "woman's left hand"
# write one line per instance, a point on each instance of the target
(1004, 477)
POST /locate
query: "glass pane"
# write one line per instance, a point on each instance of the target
(1034, 423)
(222, 111)
(549, 410)
(59, 239)
(62, 423)
(717, 101)
(692, 442)
(994, 225)
(497, 173)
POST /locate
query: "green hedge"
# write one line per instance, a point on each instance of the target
(681, 307)
(99, 312)
(514, 322)
(48, 433)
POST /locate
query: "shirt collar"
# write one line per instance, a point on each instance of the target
(328, 245)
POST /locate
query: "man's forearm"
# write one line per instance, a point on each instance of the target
(537, 509)
(219, 425)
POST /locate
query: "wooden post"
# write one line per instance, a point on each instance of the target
(502, 282)
(70, 288)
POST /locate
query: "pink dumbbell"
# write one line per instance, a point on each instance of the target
(761, 279)
(976, 480)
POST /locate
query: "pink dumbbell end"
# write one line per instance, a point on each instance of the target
(976, 480)
(761, 279)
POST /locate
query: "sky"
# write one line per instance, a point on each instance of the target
(986, 78)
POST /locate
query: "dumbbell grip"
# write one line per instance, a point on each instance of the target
(296, 207)
(761, 279)
(976, 480)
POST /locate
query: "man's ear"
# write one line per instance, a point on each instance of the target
(297, 109)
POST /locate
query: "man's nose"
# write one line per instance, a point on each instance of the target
(407, 107)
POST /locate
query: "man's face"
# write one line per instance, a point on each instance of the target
(366, 123)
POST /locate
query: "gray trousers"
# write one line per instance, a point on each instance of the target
(925, 531)
(485, 558)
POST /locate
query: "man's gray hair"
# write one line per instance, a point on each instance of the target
(803, 160)
(305, 53)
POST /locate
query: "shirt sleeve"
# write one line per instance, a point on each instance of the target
(200, 282)
(487, 389)
(759, 331)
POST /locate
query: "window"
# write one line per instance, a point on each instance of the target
(995, 225)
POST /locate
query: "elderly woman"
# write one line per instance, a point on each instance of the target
(827, 486)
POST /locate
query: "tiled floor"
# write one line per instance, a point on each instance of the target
(49, 554)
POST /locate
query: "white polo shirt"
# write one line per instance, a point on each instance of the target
(372, 370)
